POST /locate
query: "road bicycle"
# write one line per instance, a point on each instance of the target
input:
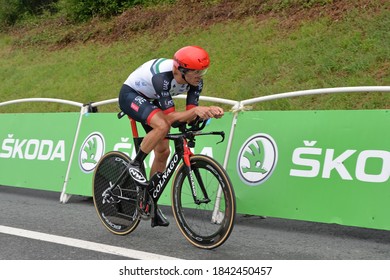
(202, 195)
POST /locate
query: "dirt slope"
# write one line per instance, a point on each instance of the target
(180, 17)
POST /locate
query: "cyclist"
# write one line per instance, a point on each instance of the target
(146, 96)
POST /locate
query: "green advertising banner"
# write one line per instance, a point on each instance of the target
(35, 149)
(325, 166)
(103, 132)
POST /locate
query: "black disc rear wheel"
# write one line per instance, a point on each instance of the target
(115, 200)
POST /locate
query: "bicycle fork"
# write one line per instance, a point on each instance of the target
(190, 175)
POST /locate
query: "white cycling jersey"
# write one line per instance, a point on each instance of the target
(154, 79)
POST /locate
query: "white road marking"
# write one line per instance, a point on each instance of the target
(108, 249)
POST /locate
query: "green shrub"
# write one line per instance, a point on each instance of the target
(12, 11)
(83, 10)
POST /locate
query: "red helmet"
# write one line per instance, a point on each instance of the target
(191, 58)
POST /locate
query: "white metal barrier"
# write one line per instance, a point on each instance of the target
(316, 92)
(52, 100)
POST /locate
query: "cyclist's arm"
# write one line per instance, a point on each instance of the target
(165, 102)
(203, 112)
(192, 105)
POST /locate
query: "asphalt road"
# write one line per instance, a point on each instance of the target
(34, 225)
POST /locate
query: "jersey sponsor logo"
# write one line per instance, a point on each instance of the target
(140, 83)
(257, 159)
(91, 151)
(169, 103)
(165, 85)
(139, 100)
(134, 106)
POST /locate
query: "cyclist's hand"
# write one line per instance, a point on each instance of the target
(217, 112)
(204, 112)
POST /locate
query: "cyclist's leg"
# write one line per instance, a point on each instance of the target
(157, 130)
(141, 110)
(154, 140)
(160, 128)
(161, 154)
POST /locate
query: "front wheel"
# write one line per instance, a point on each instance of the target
(207, 219)
(115, 194)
